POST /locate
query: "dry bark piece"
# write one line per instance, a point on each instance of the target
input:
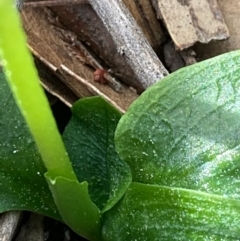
(89, 28)
(50, 3)
(191, 21)
(83, 21)
(46, 41)
(131, 43)
(9, 222)
(144, 14)
(141, 10)
(231, 12)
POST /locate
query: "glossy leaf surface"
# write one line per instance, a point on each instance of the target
(151, 213)
(22, 182)
(89, 140)
(185, 130)
(183, 135)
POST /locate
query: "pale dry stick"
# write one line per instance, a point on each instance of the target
(92, 88)
(130, 41)
(47, 3)
(35, 53)
(52, 3)
(54, 69)
(9, 222)
(67, 103)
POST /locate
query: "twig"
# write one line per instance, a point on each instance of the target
(9, 222)
(130, 41)
(51, 3)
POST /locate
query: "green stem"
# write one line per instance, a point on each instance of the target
(24, 82)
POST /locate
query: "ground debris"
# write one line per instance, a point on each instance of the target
(191, 21)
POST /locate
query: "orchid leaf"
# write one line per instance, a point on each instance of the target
(22, 182)
(185, 131)
(151, 212)
(89, 140)
(183, 136)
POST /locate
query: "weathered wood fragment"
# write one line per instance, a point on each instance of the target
(231, 12)
(89, 28)
(131, 44)
(145, 16)
(142, 11)
(121, 58)
(191, 21)
(9, 222)
(48, 46)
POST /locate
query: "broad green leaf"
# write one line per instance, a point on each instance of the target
(185, 130)
(152, 213)
(76, 208)
(22, 182)
(89, 140)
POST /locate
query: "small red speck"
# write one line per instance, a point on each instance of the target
(98, 76)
